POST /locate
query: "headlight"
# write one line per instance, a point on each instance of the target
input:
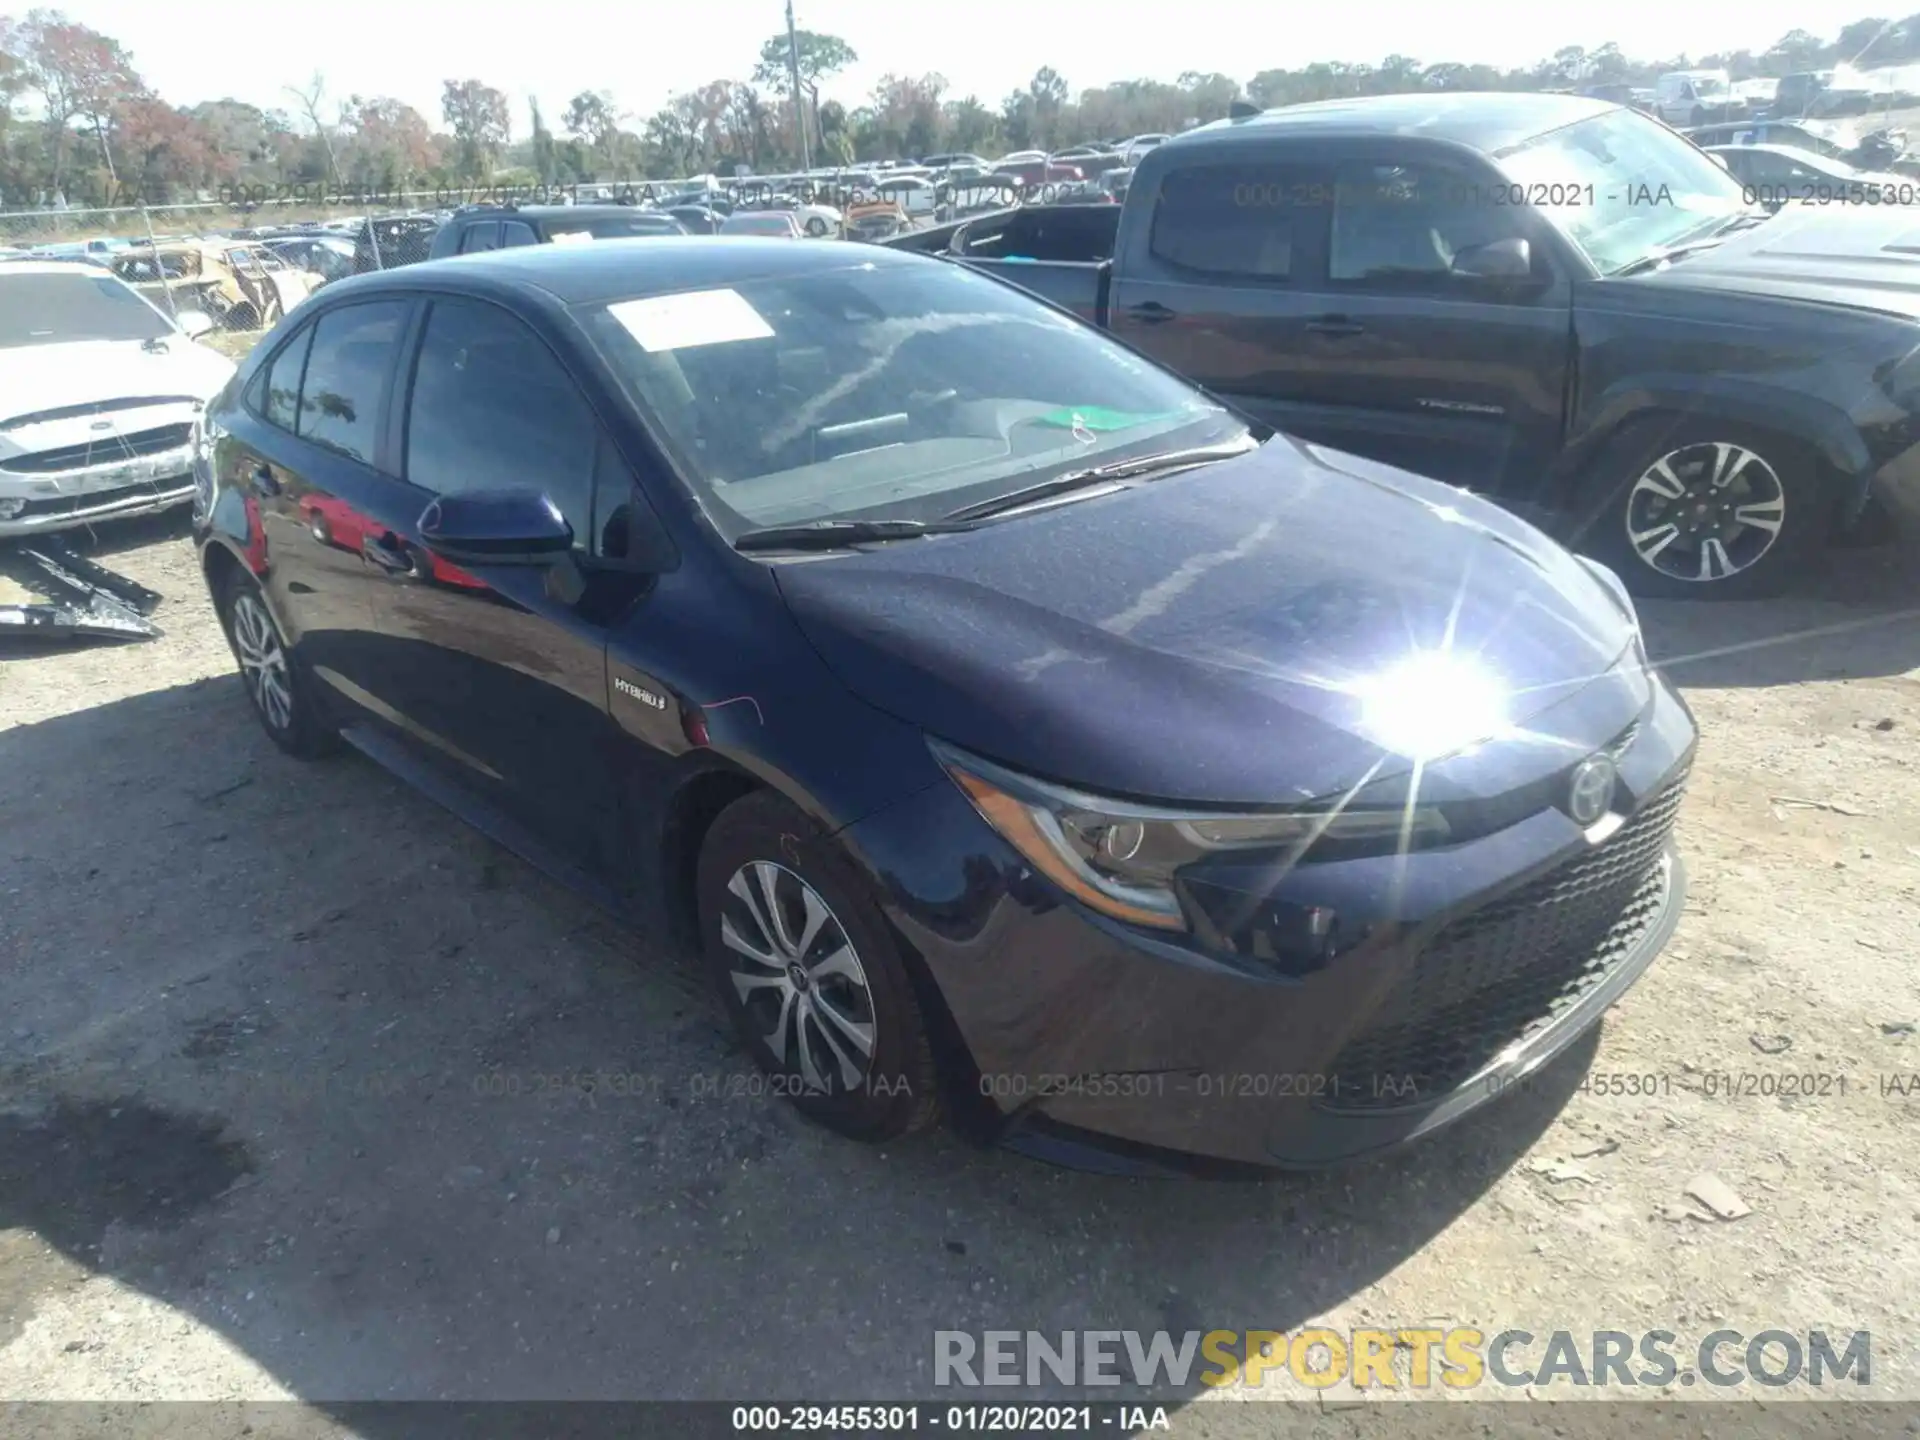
(1120, 858)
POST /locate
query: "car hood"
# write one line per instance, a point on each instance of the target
(39, 378)
(1866, 257)
(1210, 636)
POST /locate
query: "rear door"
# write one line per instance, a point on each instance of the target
(1216, 284)
(491, 673)
(1404, 360)
(309, 444)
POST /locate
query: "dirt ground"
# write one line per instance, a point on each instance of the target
(288, 1103)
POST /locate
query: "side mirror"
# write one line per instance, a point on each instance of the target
(496, 527)
(194, 323)
(1507, 260)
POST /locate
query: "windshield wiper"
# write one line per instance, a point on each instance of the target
(1666, 253)
(838, 534)
(1139, 465)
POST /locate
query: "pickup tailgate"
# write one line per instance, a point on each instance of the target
(1077, 285)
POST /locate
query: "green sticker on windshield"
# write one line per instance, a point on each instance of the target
(1095, 417)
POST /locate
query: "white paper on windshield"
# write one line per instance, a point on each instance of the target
(698, 317)
(570, 237)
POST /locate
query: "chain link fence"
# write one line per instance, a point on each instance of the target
(250, 254)
(240, 261)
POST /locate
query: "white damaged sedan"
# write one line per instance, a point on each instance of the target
(99, 394)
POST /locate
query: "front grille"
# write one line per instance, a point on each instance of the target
(1510, 969)
(100, 452)
(178, 486)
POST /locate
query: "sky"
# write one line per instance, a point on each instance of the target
(645, 52)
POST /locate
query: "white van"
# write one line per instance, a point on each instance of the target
(1695, 97)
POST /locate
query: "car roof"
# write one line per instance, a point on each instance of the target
(1489, 121)
(629, 268)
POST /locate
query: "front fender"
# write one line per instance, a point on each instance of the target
(1810, 418)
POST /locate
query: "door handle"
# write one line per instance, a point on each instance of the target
(264, 481)
(386, 552)
(1335, 327)
(1150, 312)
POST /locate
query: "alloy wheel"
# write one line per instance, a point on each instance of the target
(263, 661)
(1706, 512)
(798, 977)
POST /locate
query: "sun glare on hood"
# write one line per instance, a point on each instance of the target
(1433, 703)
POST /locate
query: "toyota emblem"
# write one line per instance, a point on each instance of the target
(1591, 793)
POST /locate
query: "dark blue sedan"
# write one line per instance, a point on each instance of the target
(1014, 730)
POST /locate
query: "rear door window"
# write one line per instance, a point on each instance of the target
(348, 375)
(484, 236)
(1248, 222)
(279, 396)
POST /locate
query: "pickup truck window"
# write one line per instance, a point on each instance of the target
(1239, 220)
(1622, 186)
(1400, 224)
(886, 392)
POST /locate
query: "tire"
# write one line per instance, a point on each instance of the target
(1774, 516)
(318, 527)
(288, 713)
(782, 1004)
(816, 227)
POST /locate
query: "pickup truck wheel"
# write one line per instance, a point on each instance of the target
(811, 974)
(1709, 511)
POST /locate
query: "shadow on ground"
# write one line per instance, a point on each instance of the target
(297, 1054)
(1857, 615)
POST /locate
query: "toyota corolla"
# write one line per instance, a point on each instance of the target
(1012, 728)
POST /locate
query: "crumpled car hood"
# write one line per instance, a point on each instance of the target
(38, 378)
(1201, 637)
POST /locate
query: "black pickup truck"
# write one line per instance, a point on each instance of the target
(1548, 299)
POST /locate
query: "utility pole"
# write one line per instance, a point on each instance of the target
(799, 107)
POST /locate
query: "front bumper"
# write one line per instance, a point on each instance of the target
(68, 499)
(1101, 1046)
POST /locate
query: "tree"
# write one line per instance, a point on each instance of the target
(79, 75)
(387, 145)
(821, 57)
(310, 100)
(477, 116)
(545, 162)
(1049, 94)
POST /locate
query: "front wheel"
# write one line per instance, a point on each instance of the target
(811, 975)
(1708, 510)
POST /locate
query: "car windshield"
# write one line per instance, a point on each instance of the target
(56, 309)
(885, 393)
(1632, 187)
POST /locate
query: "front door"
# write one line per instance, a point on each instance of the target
(1406, 361)
(493, 672)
